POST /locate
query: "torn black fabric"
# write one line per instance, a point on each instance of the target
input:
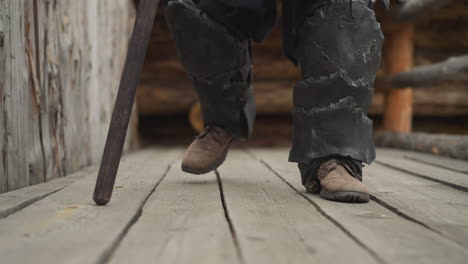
(247, 19)
(219, 65)
(340, 38)
(340, 128)
(339, 51)
(321, 91)
(336, 43)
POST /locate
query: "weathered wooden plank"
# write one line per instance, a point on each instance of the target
(448, 177)
(431, 159)
(66, 227)
(434, 205)
(59, 69)
(45, 118)
(4, 85)
(15, 201)
(19, 98)
(36, 158)
(71, 54)
(182, 222)
(274, 224)
(394, 238)
(109, 38)
(14, 97)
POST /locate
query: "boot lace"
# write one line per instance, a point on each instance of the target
(214, 132)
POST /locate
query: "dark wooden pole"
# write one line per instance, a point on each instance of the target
(124, 103)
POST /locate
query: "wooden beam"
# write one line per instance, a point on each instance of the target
(411, 9)
(455, 146)
(399, 50)
(176, 97)
(452, 69)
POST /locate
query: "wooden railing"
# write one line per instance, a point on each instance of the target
(400, 79)
(408, 10)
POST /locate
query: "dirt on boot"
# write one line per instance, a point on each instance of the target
(208, 151)
(338, 184)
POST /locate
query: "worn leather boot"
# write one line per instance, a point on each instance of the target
(338, 184)
(208, 151)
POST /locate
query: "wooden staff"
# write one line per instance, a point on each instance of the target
(124, 103)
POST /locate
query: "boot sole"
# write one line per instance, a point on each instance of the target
(345, 197)
(210, 168)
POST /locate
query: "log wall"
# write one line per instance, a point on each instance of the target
(165, 89)
(60, 62)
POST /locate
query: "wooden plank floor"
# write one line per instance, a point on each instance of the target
(253, 210)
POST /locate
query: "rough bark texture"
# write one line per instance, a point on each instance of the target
(411, 9)
(60, 63)
(163, 97)
(452, 69)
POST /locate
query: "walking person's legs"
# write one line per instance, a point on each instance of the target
(213, 41)
(337, 45)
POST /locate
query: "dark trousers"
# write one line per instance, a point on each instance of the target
(254, 19)
(336, 44)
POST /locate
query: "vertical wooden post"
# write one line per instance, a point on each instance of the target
(398, 50)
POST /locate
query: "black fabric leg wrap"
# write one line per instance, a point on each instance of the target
(219, 65)
(339, 53)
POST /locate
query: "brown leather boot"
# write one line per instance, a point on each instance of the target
(208, 151)
(338, 184)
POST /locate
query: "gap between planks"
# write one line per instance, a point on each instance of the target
(108, 253)
(15, 201)
(229, 220)
(462, 187)
(437, 246)
(90, 231)
(443, 162)
(417, 159)
(183, 221)
(276, 225)
(324, 214)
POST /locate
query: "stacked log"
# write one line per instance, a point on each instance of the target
(166, 90)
